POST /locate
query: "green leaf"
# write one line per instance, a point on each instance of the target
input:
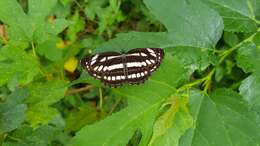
(194, 58)
(78, 119)
(223, 118)
(41, 97)
(12, 111)
(48, 30)
(231, 38)
(143, 105)
(17, 64)
(250, 90)
(238, 15)
(13, 15)
(32, 26)
(78, 25)
(127, 41)
(188, 23)
(86, 78)
(172, 124)
(40, 9)
(248, 57)
(49, 49)
(42, 136)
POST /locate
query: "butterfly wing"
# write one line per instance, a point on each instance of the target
(107, 66)
(114, 68)
(141, 62)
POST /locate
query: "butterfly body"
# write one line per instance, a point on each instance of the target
(133, 67)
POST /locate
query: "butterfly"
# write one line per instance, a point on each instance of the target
(115, 69)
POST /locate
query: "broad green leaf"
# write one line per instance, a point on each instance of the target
(223, 118)
(250, 90)
(127, 41)
(41, 97)
(17, 65)
(248, 57)
(143, 105)
(238, 15)
(189, 23)
(11, 12)
(12, 111)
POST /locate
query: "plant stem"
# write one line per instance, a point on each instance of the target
(208, 79)
(77, 90)
(36, 57)
(229, 51)
(33, 49)
(100, 100)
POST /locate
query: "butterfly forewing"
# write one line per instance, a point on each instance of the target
(133, 67)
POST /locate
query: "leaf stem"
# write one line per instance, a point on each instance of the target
(229, 51)
(36, 57)
(100, 100)
(208, 79)
(77, 90)
(33, 49)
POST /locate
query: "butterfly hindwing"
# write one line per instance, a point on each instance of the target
(133, 67)
(141, 62)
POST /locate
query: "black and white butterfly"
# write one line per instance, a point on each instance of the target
(133, 67)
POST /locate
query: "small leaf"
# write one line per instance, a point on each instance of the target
(17, 64)
(231, 38)
(84, 116)
(12, 111)
(42, 136)
(169, 127)
(49, 49)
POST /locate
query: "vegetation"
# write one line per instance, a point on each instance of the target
(205, 93)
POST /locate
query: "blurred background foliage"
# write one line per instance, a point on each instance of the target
(54, 44)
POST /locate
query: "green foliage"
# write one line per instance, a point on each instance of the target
(144, 101)
(205, 93)
(18, 67)
(238, 16)
(221, 118)
(12, 111)
(42, 95)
